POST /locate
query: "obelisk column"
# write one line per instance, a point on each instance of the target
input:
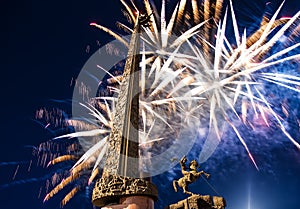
(121, 183)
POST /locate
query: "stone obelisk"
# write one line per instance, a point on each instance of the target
(121, 184)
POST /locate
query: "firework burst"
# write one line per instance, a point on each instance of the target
(191, 75)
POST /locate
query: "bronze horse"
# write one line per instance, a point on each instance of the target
(188, 176)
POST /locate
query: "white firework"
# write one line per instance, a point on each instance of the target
(191, 76)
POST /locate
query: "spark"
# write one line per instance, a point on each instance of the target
(13, 163)
(17, 169)
(29, 167)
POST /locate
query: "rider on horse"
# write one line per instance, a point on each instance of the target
(188, 176)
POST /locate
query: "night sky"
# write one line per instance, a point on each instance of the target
(43, 45)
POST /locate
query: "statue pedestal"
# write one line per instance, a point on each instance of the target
(199, 202)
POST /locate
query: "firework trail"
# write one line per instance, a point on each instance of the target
(191, 75)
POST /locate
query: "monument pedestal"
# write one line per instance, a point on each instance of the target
(117, 192)
(199, 202)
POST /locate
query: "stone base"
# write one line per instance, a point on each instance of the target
(199, 202)
(114, 190)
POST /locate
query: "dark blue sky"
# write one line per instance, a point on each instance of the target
(42, 47)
